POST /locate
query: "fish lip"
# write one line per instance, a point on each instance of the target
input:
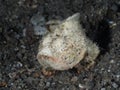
(57, 64)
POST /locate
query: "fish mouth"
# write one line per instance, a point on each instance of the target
(52, 62)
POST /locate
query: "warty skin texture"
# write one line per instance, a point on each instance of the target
(66, 45)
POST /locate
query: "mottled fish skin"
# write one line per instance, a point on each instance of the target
(66, 46)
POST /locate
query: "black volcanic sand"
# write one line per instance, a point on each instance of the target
(19, 68)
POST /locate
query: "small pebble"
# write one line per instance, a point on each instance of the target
(114, 7)
(53, 83)
(81, 86)
(112, 61)
(16, 49)
(11, 84)
(38, 30)
(12, 75)
(109, 70)
(47, 84)
(103, 89)
(118, 76)
(38, 22)
(24, 32)
(102, 69)
(20, 2)
(22, 46)
(17, 36)
(19, 65)
(112, 23)
(114, 85)
(3, 84)
(74, 79)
